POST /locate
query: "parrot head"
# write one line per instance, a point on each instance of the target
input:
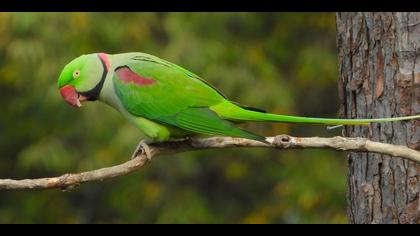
(82, 79)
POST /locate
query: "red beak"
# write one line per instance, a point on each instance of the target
(70, 95)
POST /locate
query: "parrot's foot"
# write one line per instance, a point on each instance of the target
(142, 147)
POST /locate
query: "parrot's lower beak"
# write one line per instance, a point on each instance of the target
(71, 96)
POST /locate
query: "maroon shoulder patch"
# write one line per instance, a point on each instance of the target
(126, 75)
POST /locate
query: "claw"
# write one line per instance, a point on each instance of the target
(142, 147)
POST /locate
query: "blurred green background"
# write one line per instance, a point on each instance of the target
(282, 62)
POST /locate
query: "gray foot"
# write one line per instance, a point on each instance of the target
(142, 147)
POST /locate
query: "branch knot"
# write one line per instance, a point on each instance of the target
(284, 141)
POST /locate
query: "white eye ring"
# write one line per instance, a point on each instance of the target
(76, 74)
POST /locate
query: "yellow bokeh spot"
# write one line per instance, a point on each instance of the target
(235, 171)
(152, 192)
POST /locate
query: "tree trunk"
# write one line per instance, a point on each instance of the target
(380, 77)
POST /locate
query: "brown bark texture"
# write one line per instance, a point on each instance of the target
(379, 68)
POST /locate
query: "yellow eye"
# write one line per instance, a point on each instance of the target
(76, 74)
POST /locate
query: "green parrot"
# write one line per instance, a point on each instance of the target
(166, 101)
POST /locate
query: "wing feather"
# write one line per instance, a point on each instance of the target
(176, 97)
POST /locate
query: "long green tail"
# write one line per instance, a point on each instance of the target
(240, 114)
(257, 116)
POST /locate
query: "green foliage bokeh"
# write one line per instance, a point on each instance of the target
(281, 62)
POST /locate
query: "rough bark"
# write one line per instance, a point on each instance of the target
(380, 77)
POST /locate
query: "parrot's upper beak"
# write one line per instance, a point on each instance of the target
(71, 96)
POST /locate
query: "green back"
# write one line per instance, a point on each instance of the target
(178, 97)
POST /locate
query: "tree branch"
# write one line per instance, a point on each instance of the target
(68, 181)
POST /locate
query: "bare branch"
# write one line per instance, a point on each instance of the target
(67, 181)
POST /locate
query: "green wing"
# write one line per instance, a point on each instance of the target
(175, 97)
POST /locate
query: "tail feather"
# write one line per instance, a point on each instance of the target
(297, 119)
(236, 113)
